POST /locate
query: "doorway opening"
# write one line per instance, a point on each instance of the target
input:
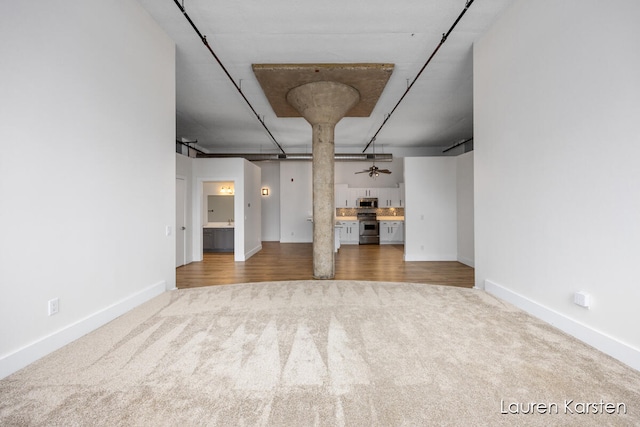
(218, 201)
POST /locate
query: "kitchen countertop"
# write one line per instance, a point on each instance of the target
(380, 218)
(338, 219)
(218, 225)
(346, 218)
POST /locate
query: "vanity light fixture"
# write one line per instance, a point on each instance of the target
(265, 191)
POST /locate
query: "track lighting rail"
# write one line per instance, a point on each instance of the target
(206, 43)
(444, 39)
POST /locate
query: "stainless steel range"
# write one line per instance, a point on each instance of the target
(369, 228)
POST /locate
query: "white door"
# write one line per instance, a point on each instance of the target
(181, 230)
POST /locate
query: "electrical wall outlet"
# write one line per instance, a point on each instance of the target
(582, 299)
(54, 306)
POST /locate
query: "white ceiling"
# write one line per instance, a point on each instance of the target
(437, 112)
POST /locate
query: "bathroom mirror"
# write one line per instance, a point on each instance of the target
(220, 208)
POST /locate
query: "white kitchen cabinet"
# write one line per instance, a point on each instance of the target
(391, 232)
(353, 197)
(364, 192)
(399, 202)
(389, 198)
(346, 197)
(341, 193)
(397, 232)
(350, 233)
(384, 197)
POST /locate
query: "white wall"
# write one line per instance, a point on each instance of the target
(87, 171)
(296, 198)
(270, 203)
(430, 214)
(557, 101)
(464, 208)
(246, 177)
(252, 209)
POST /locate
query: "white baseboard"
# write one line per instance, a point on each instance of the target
(297, 240)
(466, 261)
(252, 252)
(431, 257)
(605, 343)
(40, 348)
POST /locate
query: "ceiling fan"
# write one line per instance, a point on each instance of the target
(374, 171)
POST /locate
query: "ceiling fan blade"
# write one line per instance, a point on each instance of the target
(384, 171)
(363, 171)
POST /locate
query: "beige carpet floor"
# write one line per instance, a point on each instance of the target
(323, 353)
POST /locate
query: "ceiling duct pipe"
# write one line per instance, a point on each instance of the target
(338, 157)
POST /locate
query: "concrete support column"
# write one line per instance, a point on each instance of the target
(323, 104)
(323, 201)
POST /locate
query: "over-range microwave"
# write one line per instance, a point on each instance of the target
(367, 202)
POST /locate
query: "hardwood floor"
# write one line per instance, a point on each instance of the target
(293, 261)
